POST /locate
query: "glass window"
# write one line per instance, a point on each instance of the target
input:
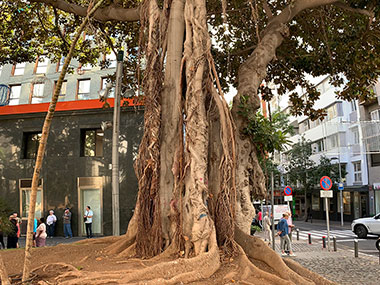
(375, 115)
(333, 141)
(105, 80)
(42, 64)
(357, 171)
(19, 69)
(83, 91)
(375, 159)
(315, 206)
(25, 190)
(60, 64)
(353, 105)
(346, 202)
(92, 142)
(62, 94)
(15, 94)
(355, 135)
(38, 93)
(31, 144)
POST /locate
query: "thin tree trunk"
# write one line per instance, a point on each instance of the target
(42, 146)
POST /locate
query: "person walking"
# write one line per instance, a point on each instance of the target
(67, 223)
(41, 234)
(50, 223)
(267, 230)
(283, 230)
(88, 214)
(260, 218)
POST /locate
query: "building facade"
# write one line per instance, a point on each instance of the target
(77, 167)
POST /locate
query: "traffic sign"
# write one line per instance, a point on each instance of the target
(325, 183)
(288, 198)
(287, 191)
(326, 194)
(340, 186)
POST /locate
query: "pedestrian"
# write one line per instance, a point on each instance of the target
(18, 224)
(12, 235)
(50, 223)
(290, 225)
(41, 234)
(88, 221)
(267, 230)
(35, 225)
(67, 223)
(260, 218)
(283, 230)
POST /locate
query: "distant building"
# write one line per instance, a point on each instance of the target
(77, 166)
(342, 138)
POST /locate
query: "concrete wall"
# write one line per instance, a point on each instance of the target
(63, 163)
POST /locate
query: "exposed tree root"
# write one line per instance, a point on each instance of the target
(180, 270)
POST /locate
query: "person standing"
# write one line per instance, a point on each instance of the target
(260, 218)
(12, 235)
(41, 234)
(283, 231)
(88, 221)
(267, 230)
(67, 223)
(50, 222)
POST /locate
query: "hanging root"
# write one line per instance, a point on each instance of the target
(173, 272)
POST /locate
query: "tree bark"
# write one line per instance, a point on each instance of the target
(42, 145)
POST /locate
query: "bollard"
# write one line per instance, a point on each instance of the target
(356, 247)
(298, 234)
(334, 242)
(309, 238)
(323, 242)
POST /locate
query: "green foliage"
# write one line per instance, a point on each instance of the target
(269, 135)
(5, 226)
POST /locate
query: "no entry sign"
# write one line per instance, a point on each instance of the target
(287, 191)
(325, 183)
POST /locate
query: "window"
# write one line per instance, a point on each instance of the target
(105, 80)
(304, 126)
(334, 111)
(353, 105)
(375, 115)
(315, 206)
(333, 141)
(355, 135)
(83, 91)
(15, 94)
(357, 171)
(375, 159)
(37, 93)
(41, 65)
(318, 146)
(1, 69)
(346, 202)
(25, 190)
(18, 69)
(31, 142)
(92, 142)
(62, 94)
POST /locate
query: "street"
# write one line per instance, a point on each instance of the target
(344, 236)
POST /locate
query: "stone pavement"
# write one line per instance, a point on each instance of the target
(340, 266)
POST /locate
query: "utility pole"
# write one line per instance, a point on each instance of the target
(340, 191)
(115, 147)
(272, 190)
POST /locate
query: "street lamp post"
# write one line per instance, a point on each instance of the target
(340, 190)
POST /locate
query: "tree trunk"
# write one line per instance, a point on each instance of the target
(42, 145)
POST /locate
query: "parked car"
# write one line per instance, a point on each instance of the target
(362, 227)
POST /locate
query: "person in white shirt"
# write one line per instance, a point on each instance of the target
(88, 221)
(50, 222)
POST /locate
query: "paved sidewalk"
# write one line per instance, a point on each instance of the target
(50, 241)
(341, 266)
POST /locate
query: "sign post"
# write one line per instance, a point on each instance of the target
(326, 193)
(288, 195)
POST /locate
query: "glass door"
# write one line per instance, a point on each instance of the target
(92, 198)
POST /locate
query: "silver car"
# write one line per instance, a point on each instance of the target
(362, 227)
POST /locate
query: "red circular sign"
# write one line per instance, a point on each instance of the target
(288, 191)
(325, 183)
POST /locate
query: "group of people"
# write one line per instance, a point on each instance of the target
(284, 231)
(44, 228)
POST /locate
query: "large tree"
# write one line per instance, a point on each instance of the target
(196, 168)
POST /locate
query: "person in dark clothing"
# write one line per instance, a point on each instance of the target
(2, 240)
(12, 236)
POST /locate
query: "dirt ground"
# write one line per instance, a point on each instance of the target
(92, 258)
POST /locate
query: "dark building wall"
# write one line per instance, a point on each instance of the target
(63, 164)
